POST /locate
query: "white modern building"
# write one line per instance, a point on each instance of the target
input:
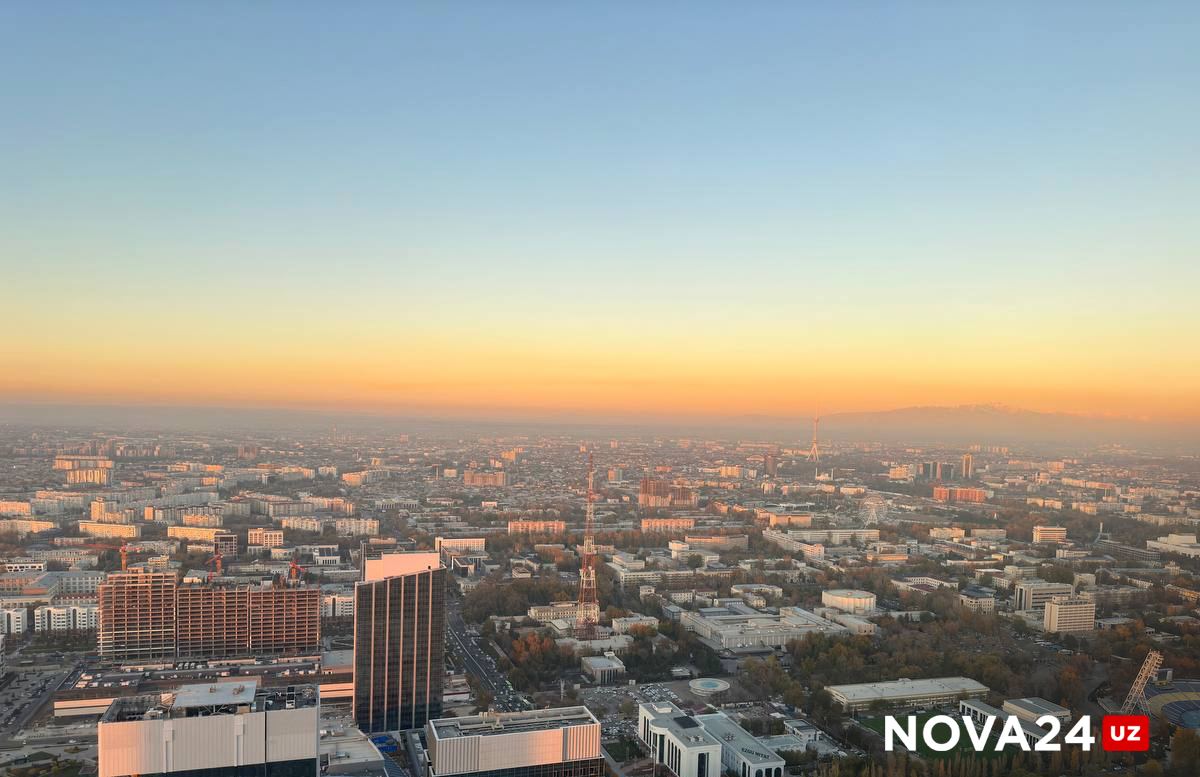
(906, 693)
(1066, 614)
(550, 743)
(741, 752)
(76, 617)
(14, 620)
(1179, 544)
(603, 669)
(678, 741)
(226, 729)
(724, 629)
(849, 600)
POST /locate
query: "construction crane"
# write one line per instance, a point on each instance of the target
(215, 561)
(295, 572)
(588, 612)
(1136, 700)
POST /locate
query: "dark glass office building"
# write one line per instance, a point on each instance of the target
(399, 650)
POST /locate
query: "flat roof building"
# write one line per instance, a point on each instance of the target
(678, 741)
(741, 752)
(228, 729)
(1066, 614)
(538, 743)
(1034, 707)
(906, 693)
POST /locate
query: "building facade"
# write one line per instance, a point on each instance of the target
(561, 742)
(399, 641)
(220, 730)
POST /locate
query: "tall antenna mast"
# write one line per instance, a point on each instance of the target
(587, 616)
(814, 454)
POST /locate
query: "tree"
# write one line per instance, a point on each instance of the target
(1185, 752)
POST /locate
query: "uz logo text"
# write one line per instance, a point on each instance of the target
(1129, 733)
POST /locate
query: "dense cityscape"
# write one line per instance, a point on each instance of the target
(374, 600)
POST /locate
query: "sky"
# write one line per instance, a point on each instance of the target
(636, 209)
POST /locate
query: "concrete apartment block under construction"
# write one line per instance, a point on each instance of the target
(150, 616)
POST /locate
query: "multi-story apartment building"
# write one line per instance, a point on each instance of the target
(137, 616)
(537, 527)
(195, 533)
(668, 525)
(23, 526)
(337, 605)
(219, 621)
(91, 477)
(1066, 614)
(150, 615)
(959, 494)
(79, 617)
(14, 619)
(356, 527)
(302, 523)
(485, 479)
(125, 531)
(265, 538)
(1049, 534)
(225, 544)
(212, 520)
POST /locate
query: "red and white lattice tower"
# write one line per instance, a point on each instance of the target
(588, 615)
(814, 454)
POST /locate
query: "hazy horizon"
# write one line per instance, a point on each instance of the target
(918, 425)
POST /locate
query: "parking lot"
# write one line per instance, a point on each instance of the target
(28, 690)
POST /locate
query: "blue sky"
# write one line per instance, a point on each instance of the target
(840, 171)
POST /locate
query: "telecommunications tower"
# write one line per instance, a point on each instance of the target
(813, 453)
(588, 615)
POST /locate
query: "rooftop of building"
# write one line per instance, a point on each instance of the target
(203, 700)
(495, 723)
(683, 727)
(1035, 705)
(723, 728)
(906, 687)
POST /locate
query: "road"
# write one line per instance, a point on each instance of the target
(465, 646)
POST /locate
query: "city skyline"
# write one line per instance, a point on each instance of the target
(639, 213)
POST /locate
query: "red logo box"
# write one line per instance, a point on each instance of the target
(1125, 733)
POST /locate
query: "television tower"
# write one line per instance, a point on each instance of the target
(588, 615)
(813, 453)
